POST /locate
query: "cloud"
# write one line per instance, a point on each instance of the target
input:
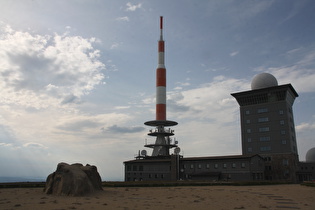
(305, 127)
(133, 7)
(80, 125)
(36, 69)
(119, 129)
(210, 101)
(125, 18)
(90, 124)
(34, 145)
(247, 10)
(5, 144)
(232, 54)
(122, 107)
(115, 45)
(300, 74)
(71, 99)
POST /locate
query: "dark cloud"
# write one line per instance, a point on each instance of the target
(175, 107)
(34, 72)
(71, 99)
(79, 125)
(118, 129)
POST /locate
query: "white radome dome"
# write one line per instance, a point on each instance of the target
(310, 155)
(263, 80)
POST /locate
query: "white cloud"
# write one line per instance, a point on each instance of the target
(232, 54)
(34, 145)
(122, 107)
(305, 126)
(115, 45)
(125, 18)
(133, 7)
(5, 145)
(300, 73)
(36, 69)
(210, 101)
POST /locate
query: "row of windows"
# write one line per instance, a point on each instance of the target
(266, 138)
(215, 166)
(264, 119)
(151, 176)
(306, 168)
(265, 110)
(135, 168)
(264, 129)
(262, 149)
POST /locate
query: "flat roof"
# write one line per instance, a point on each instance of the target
(266, 90)
(220, 157)
(156, 160)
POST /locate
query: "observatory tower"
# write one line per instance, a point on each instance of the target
(163, 142)
(267, 125)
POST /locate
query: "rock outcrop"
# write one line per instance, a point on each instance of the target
(73, 180)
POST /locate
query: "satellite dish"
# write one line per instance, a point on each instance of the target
(143, 152)
(177, 150)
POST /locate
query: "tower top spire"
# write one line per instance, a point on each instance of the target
(161, 28)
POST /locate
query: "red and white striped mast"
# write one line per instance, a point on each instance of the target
(163, 141)
(161, 79)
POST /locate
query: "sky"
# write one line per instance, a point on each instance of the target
(77, 77)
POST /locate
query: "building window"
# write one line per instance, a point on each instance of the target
(162, 176)
(282, 132)
(156, 176)
(264, 138)
(249, 130)
(265, 129)
(285, 162)
(128, 168)
(208, 165)
(247, 112)
(192, 166)
(247, 121)
(263, 119)
(262, 110)
(150, 176)
(134, 168)
(284, 141)
(224, 165)
(263, 149)
(243, 165)
(199, 166)
(249, 149)
(216, 165)
(249, 139)
(233, 165)
(140, 168)
(281, 112)
(281, 122)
